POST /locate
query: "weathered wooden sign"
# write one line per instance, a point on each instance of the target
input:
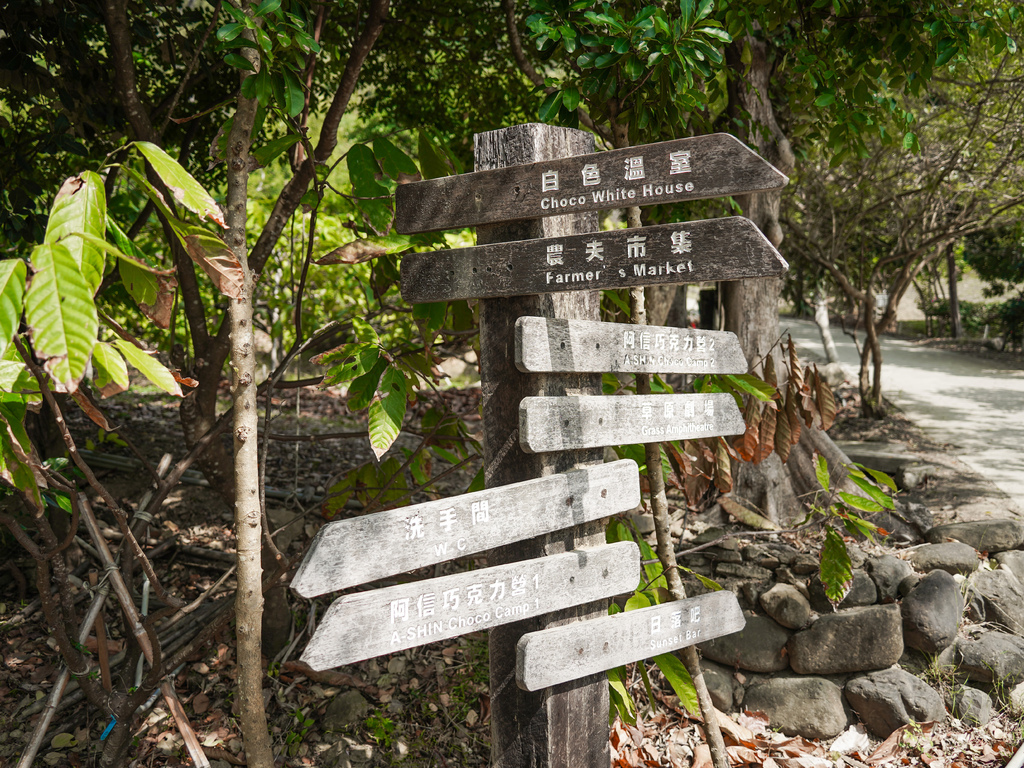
(570, 423)
(730, 248)
(546, 345)
(423, 534)
(368, 624)
(671, 171)
(559, 654)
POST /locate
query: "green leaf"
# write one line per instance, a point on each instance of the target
(273, 148)
(12, 293)
(61, 314)
(821, 472)
(432, 163)
(149, 367)
(571, 97)
(825, 99)
(910, 142)
(674, 671)
(80, 206)
(393, 160)
(294, 96)
(185, 189)
(711, 584)
(836, 571)
(16, 458)
(267, 6)
(874, 493)
(859, 502)
(387, 410)
(363, 388)
(620, 702)
(110, 373)
(238, 61)
(637, 601)
(230, 31)
(880, 477)
(549, 107)
(752, 385)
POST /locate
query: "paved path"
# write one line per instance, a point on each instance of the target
(973, 403)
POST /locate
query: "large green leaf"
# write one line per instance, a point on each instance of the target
(620, 702)
(185, 189)
(80, 206)
(836, 568)
(61, 314)
(12, 292)
(149, 367)
(16, 457)
(387, 410)
(393, 160)
(674, 671)
(110, 372)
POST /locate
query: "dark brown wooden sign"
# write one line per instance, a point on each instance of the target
(369, 624)
(437, 531)
(730, 248)
(545, 345)
(573, 422)
(559, 654)
(671, 171)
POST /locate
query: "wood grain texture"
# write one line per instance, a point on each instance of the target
(437, 531)
(379, 621)
(730, 248)
(702, 167)
(545, 345)
(567, 726)
(570, 423)
(557, 655)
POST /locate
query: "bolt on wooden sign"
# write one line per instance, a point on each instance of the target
(671, 171)
(569, 652)
(730, 248)
(548, 345)
(437, 531)
(369, 624)
(594, 421)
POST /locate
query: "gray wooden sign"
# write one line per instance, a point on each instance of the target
(368, 624)
(342, 553)
(730, 248)
(559, 654)
(545, 345)
(569, 423)
(684, 169)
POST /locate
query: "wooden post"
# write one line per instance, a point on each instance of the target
(565, 725)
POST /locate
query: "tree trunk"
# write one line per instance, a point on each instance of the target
(821, 318)
(566, 725)
(870, 386)
(954, 298)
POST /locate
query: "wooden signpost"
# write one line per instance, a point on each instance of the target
(438, 531)
(691, 252)
(668, 172)
(556, 655)
(570, 423)
(544, 345)
(388, 620)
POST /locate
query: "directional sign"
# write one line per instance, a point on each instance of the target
(368, 624)
(730, 248)
(569, 652)
(546, 345)
(592, 421)
(423, 534)
(684, 169)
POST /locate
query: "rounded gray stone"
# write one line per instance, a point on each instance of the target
(1014, 561)
(811, 707)
(862, 592)
(983, 535)
(891, 698)
(952, 557)
(1003, 596)
(721, 684)
(931, 613)
(854, 640)
(992, 657)
(908, 584)
(787, 605)
(887, 572)
(758, 647)
(345, 709)
(972, 705)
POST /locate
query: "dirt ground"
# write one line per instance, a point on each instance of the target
(424, 707)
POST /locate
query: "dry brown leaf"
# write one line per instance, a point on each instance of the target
(160, 312)
(90, 409)
(731, 728)
(200, 703)
(739, 755)
(702, 757)
(217, 261)
(355, 252)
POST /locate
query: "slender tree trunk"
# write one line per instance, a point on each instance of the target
(870, 386)
(954, 297)
(821, 318)
(249, 597)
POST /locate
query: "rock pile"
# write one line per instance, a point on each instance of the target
(814, 670)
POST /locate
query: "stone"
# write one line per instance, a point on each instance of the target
(887, 572)
(863, 592)
(891, 698)
(1017, 698)
(758, 647)
(743, 571)
(911, 475)
(931, 613)
(787, 606)
(992, 657)
(1003, 595)
(917, 515)
(805, 564)
(972, 705)
(722, 555)
(811, 707)
(643, 522)
(721, 685)
(853, 640)
(983, 535)
(785, 576)
(396, 665)
(885, 457)
(1012, 561)
(908, 584)
(951, 557)
(345, 709)
(710, 534)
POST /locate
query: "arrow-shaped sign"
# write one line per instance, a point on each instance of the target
(668, 172)
(730, 248)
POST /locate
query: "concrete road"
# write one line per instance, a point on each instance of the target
(975, 404)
